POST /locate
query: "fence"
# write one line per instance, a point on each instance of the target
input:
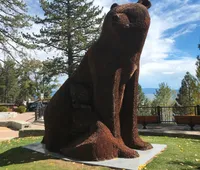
(39, 112)
(166, 113)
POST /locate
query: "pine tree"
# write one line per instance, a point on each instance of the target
(143, 103)
(25, 81)
(13, 18)
(198, 68)
(34, 80)
(197, 95)
(69, 26)
(142, 99)
(186, 95)
(8, 82)
(186, 91)
(2, 83)
(163, 96)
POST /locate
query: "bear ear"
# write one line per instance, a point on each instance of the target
(113, 5)
(146, 3)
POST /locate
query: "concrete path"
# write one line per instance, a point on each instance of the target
(159, 130)
(7, 133)
(172, 130)
(27, 117)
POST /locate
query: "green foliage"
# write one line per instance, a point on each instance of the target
(163, 96)
(13, 18)
(198, 65)
(142, 99)
(186, 95)
(69, 27)
(35, 79)
(197, 95)
(189, 93)
(3, 109)
(21, 109)
(28, 80)
(198, 68)
(143, 103)
(8, 81)
(180, 154)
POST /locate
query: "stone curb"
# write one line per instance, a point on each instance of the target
(168, 133)
(31, 132)
(15, 124)
(40, 132)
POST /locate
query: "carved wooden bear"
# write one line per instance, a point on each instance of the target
(93, 115)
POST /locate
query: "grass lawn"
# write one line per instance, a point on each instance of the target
(181, 154)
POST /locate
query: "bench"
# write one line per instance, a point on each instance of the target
(144, 120)
(189, 120)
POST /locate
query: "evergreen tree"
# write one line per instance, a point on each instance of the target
(69, 26)
(34, 80)
(25, 80)
(142, 99)
(13, 18)
(186, 95)
(163, 96)
(198, 68)
(143, 103)
(197, 95)
(8, 82)
(2, 82)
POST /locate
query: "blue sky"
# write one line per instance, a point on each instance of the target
(171, 46)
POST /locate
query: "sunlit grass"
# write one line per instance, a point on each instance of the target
(181, 154)
(14, 157)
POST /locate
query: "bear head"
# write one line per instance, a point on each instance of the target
(128, 23)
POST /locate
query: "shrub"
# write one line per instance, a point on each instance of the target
(3, 109)
(21, 109)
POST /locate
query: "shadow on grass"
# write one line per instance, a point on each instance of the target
(20, 155)
(196, 166)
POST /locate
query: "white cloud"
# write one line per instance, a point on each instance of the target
(168, 72)
(184, 30)
(170, 19)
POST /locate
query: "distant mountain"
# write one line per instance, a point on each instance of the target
(149, 90)
(149, 93)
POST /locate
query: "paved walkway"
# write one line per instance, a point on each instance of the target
(7, 133)
(164, 129)
(27, 117)
(172, 130)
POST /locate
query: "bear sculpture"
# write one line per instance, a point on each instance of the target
(93, 116)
